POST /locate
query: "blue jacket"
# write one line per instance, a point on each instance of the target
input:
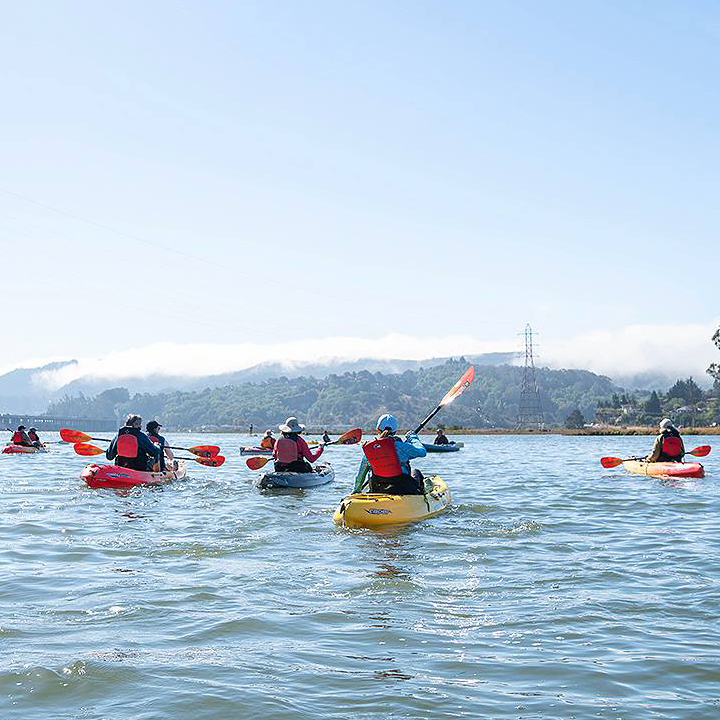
(406, 449)
(144, 445)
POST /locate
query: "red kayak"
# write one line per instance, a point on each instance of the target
(665, 469)
(112, 476)
(12, 449)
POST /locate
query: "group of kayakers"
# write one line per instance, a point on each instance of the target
(132, 448)
(26, 437)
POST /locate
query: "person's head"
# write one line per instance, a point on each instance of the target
(666, 424)
(291, 425)
(134, 421)
(32, 430)
(440, 431)
(21, 428)
(153, 426)
(387, 425)
(268, 433)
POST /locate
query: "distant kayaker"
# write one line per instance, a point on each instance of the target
(34, 437)
(291, 452)
(387, 461)
(152, 432)
(669, 446)
(132, 448)
(251, 428)
(440, 438)
(325, 436)
(268, 442)
(20, 437)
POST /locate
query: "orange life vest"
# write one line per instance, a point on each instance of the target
(267, 442)
(286, 450)
(672, 447)
(127, 446)
(18, 438)
(383, 458)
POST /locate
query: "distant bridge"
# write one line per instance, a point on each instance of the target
(51, 424)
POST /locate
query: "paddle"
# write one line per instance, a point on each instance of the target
(611, 462)
(75, 436)
(351, 437)
(455, 391)
(88, 450)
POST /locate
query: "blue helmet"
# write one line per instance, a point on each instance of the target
(387, 422)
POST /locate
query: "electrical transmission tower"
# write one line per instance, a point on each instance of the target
(530, 415)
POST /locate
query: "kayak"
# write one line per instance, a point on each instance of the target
(322, 474)
(452, 447)
(245, 450)
(112, 476)
(12, 449)
(667, 469)
(374, 509)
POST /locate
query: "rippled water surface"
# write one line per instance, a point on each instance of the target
(551, 589)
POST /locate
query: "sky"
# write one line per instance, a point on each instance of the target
(316, 178)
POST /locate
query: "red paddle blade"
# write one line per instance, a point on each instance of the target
(459, 387)
(255, 463)
(74, 436)
(701, 451)
(214, 461)
(204, 450)
(87, 449)
(610, 462)
(350, 437)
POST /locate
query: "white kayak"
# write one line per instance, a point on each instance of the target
(322, 474)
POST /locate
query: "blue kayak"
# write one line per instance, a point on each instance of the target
(452, 447)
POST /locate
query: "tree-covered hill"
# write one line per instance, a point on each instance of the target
(355, 399)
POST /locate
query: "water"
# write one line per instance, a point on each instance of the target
(551, 589)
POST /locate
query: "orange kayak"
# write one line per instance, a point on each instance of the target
(666, 469)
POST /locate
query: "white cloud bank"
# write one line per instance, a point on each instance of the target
(671, 350)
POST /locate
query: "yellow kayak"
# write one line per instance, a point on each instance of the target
(375, 509)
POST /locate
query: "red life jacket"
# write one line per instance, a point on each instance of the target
(34, 437)
(286, 450)
(383, 458)
(672, 447)
(267, 442)
(127, 446)
(18, 438)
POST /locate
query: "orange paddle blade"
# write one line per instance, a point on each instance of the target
(74, 436)
(610, 462)
(214, 461)
(701, 451)
(350, 437)
(459, 387)
(255, 463)
(87, 449)
(205, 450)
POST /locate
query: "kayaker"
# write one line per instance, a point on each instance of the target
(34, 437)
(291, 452)
(132, 448)
(20, 437)
(440, 438)
(268, 442)
(325, 436)
(251, 428)
(152, 432)
(387, 461)
(669, 446)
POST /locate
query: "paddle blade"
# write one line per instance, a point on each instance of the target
(351, 437)
(459, 387)
(255, 463)
(205, 450)
(610, 462)
(701, 451)
(74, 436)
(87, 449)
(214, 461)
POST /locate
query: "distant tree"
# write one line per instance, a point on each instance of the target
(686, 390)
(575, 420)
(714, 369)
(615, 401)
(652, 406)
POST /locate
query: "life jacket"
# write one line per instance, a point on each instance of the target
(17, 438)
(267, 442)
(127, 445)
(34, 437)
(286, 450)
(672, 446)
(383, 458)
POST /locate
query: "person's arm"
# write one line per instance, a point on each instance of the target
(657, 449)
(413, 447)
(361, 475)
(307, 453)
(111, 452)
(682, 445)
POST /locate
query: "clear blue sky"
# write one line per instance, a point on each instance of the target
(356, 168)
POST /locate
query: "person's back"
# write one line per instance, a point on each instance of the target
(34, 437)
(20, 437)
(441, 439)
(669, 446)
(291, 452)
(268, 442)
(131, 448)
